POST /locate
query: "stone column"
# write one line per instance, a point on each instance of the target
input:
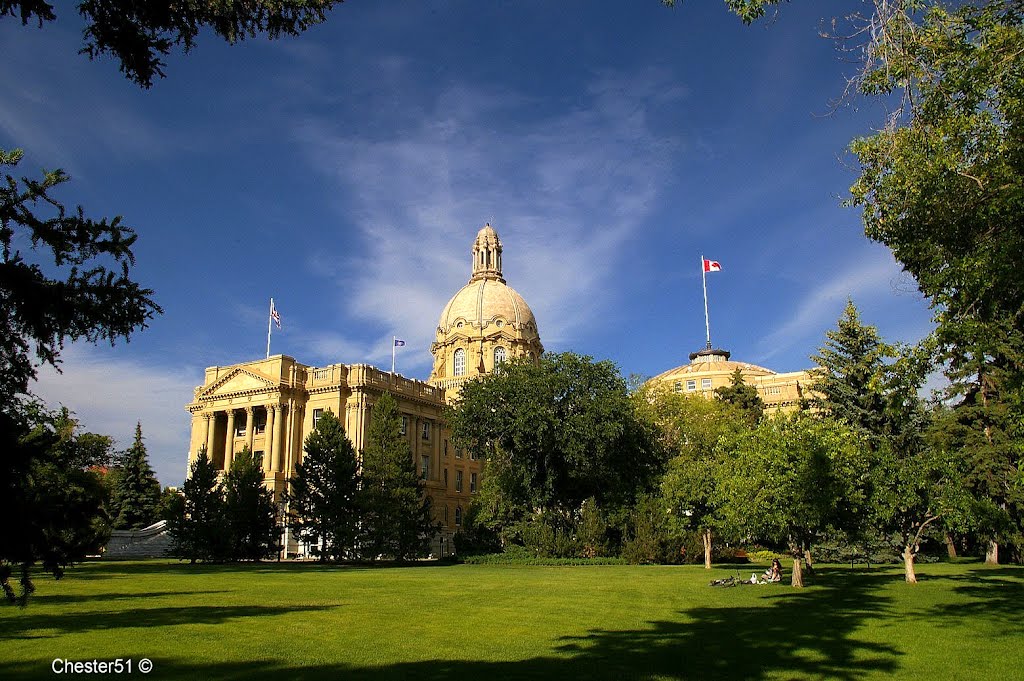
(268, 439)
(276, 438)
(249, 427)
(211, 422)
(229, 440)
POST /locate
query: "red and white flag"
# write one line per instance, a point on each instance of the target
(712, 265)
(277, 317)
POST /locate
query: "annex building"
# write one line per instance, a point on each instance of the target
(271, 405)
(712, 368)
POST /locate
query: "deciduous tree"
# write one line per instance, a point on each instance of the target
(790, 479)
(554, 433)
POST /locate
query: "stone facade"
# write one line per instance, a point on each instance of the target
(271, 405)
(711, 368)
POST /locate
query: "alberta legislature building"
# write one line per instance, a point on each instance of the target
(271, 405)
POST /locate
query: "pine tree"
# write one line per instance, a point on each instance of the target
(196, 518)
(396, 515)
(322, 500)
(742, 396)
(249, 510)
(137, 494)
(852, 375)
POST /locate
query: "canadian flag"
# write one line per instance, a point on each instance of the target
(712, 265)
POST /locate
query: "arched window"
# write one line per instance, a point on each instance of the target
(499, 355)
(458, 516)
(460, 362)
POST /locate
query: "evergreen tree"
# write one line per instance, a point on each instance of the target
(395, 512)
(51, 495)
(196, 517)
(137, 493)
(322, 501)
(249, 510)
(852, 375)
(742, 396)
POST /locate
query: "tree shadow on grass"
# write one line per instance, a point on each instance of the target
(94, 570)
(69, 599)
(791, 633)
(23, 625)
(992, 593)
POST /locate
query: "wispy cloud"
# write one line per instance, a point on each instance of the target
(109, 394)
(565, 190)
(865, 278)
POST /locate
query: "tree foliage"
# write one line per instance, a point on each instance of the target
(137, 491)
(92, 297)
(554, 432)
(250, 516)
(51, 495)
(322, 503)
(743, 397)
(690, 429)
(395, 514)
(196, 518)
(791, 479)
(140, 34)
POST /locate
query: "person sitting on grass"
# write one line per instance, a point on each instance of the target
(774, 573)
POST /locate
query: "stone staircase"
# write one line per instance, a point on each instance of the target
(149, 542)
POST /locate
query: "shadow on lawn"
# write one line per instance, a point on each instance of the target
(801, 634)
(94, 570)
(22, 625)
(992, 593)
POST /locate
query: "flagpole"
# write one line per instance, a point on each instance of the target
(394, 339)
(704, 280)
(270, 320)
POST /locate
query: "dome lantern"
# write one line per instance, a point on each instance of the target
(487, 255)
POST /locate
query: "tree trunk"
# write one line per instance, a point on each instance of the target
(950, 546)
(809, 563)
(798, 575)
(908, 565)
(992, 554)
(706, 536)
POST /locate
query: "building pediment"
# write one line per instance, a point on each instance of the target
(237, 381)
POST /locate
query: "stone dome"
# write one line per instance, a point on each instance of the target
(487, 303)
(485, 323)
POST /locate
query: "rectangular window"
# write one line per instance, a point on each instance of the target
(261, 422)
(691, 384)
(458, 453)
(317, 413)
(239, 428)
(405, 425)
(446, 448)
(446, 478)
(424, 466)
(679, 386)
(458, 481)
(426, 430)
(258, 457)
(705, 384)
(472, 482)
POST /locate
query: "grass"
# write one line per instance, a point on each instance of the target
(445, 622)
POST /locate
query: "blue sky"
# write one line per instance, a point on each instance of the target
(345, 173)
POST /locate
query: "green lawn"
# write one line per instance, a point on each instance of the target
(448, 622)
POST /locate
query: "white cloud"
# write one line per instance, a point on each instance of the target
(566, 192)
(870, 277)
(109, 394)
